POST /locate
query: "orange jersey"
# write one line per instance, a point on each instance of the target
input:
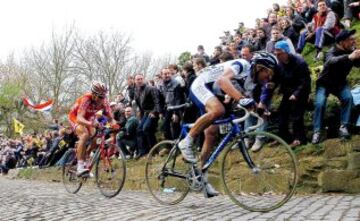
(87, 104)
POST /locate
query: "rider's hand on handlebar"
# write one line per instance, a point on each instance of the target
(96, 124)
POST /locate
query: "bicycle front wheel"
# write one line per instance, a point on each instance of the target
(272, 185)
(110, 171)
(165, 173)
(70, 180)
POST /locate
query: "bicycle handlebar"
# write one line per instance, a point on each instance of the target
(178, 107)
(259, 123)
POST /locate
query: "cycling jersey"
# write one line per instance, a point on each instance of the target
(87, 104)
(202, 88)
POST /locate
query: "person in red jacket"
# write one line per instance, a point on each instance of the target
(322, 30)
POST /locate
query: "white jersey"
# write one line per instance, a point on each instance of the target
(201, 89)
(212, 73)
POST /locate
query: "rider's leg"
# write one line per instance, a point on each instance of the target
(214, 109)
(83, 135)
(210, 138)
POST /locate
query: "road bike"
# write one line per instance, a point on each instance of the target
(256, 181)
(109, 162)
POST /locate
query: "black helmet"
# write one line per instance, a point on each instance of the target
(264, 59)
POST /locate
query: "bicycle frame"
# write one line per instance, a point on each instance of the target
(100, 149)
(235, 130)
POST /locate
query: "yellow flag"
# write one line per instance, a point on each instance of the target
(18, 126)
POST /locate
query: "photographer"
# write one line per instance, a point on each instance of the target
(332, 80)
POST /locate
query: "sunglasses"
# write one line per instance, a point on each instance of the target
(100, 97)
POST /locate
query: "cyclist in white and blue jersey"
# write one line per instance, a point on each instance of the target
(261, 69)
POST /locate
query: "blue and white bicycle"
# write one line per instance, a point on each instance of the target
(257, 181)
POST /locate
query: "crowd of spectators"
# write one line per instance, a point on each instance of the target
(284, 31)
(141, 109)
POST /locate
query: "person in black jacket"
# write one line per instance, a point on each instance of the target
(297, 21)
(262, 39)
(295, 86)
(289, 31)
(173, 95)
(148, 103)
(332, 80)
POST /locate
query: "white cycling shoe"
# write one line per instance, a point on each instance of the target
(82, 171)
(187, 152)
(209, 190)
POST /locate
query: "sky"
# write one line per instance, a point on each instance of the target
(159, 26)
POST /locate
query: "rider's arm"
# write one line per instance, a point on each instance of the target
(225, 84)
(81, 119)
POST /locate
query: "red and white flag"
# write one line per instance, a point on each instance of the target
(44, 106)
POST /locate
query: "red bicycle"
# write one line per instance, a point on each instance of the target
(109, 162)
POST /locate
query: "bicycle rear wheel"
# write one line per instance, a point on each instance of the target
(110, 171)
(269, 188)
(165, 173)
(70, 180)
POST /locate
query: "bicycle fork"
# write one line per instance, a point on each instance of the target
(244, 151)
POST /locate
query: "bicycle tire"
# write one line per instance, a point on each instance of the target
(69, 172)
(156, 179)
(255, 192)
(117, 164)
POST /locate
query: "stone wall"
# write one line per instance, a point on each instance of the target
(334, 168)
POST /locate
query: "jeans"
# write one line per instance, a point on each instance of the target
(345, 97)
(170, 128)
(146, 133)
(322, 37)
(251, 121)
(131, 143)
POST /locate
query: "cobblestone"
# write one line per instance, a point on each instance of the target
(33, 200)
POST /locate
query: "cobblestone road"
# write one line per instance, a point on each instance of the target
(30, 200)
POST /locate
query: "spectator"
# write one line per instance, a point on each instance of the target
(307, 11)
(147, 100)
(192, 113)
(127, 136)
(130, 89)
(295, 86)
(297, 21)
(173, 95)
(289, 31)
(332, 80)
(228, 37)
(120, 98)
(276, 35)
(215, 58)
(264, 24)
(351, 10)
(118, 113)
(239, 41)
(262, 40)
(174, 70)
(158, 80)
(321, 30)
(247, 53)
(201, 53)
(273, 18)
(199, 64)
(233, 50)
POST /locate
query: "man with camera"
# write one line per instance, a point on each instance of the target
(332, 80)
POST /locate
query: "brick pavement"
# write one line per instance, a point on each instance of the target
(34, 200)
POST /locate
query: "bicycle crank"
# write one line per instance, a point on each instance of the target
(195, 179)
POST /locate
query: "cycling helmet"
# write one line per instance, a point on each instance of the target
(98, 89)
(264, 60)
